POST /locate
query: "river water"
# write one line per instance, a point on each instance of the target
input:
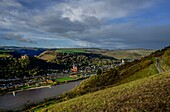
(23, 98)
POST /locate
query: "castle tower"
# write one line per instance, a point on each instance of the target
(74, 69)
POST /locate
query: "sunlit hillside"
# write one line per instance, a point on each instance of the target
(128, 88)
(148, 94)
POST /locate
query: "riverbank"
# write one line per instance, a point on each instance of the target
(31, 87)
(27, 98)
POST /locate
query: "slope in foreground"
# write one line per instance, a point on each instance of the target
(147, 94)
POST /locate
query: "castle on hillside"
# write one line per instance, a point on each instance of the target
(74, 69)
(24, 57)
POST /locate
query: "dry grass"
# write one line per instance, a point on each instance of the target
(147, 94)
(47, 55)
(148, 71)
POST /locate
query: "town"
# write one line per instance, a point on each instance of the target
(52, 76)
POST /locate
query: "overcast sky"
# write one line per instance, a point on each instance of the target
(111, 24)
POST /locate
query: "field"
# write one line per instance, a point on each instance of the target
(65, 79)
(71, 51)
(47, 55)
(147, 94)
(4, 53)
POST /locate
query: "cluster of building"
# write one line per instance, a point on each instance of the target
(73, 72)
(18, 82)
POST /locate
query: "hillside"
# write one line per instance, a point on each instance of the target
(16, 52)
(124, 54)
(128, 54)
(13, 67)
(78, 57)
(148, 94)
(50, 55)
(118, 54)
(119, 76)
(47, 56)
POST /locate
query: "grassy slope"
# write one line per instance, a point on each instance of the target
(119, 54)
(129, 73)
(147, 94)
(148, 71)
(134, 74)
(5, 53)
(165, 60)
(47, 55)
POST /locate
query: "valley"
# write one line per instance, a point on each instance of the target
(84, 56)
(135, 84)
(67, 66)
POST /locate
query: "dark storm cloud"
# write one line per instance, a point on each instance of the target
(64, 25)
(15, 36)
(129, 37)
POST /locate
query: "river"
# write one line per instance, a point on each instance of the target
(23, 98)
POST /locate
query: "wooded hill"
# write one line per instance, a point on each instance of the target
(11, 67)
(68, 57)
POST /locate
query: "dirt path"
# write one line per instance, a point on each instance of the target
(158, 66)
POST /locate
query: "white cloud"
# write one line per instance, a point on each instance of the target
(77, 10)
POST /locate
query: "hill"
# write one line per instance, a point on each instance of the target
(147, 94)
(30, 52)
(18, 51)
(123, 53)
(78, 57)
(50, 55)
(130, 54)
(137, 70)
(47, 56)
(13, 67)
(122, 74)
